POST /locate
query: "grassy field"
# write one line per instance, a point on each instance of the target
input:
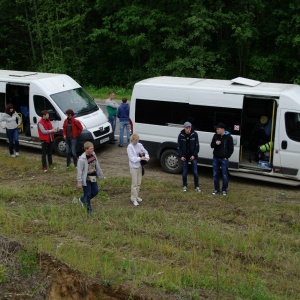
(244, 246)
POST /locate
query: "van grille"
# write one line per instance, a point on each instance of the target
(98, 133)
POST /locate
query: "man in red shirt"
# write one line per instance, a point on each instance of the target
(46, 136)
(71, 130)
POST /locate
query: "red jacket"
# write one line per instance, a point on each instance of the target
(76, 128)
(47, 126)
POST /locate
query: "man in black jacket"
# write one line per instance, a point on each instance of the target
(188, 148)
(223, 148)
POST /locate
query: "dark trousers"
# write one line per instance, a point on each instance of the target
(13, 138)
(46, 152)
(89, 192)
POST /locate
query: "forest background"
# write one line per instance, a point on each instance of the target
(116, 43)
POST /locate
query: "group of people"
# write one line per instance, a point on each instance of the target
(121, 112)
(88, 167)
(188, 149)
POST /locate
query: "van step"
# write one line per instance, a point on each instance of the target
(266, 177)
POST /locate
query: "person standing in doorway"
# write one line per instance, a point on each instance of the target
(88, 170)
(112, 106)
(46, 135)
(222, 143)
(12, 120)
(123, 115)
(71, 130)
(188, 148)
(136, 154)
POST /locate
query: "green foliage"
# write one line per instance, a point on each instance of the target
(3, 274)
(28, 261)
(111, 44)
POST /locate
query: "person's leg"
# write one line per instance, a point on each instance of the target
(49, 153)
(195, 172)
(87, 190)
(184, 172)
(134, 183)
(225, 164)
(9, 134)
(216, 170)
(73, 150)
(112, 135)
(44, 153)
(127, 125)
(68, 150)
(139, 181)
(114, 121)
(16, 139)
(122, 124)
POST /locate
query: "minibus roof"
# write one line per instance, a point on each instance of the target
(237, 85)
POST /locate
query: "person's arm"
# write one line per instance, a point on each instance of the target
(230, 147)
(179, 146)
(111, 103)
(19, 118)
(197, 145)
(44, 131)
(146, 153)
(132, 155)
(213, 141)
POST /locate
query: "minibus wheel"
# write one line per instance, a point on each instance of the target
(59, 146)
(170, 163)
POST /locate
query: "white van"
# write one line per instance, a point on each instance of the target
(160, 106)
(32, 92)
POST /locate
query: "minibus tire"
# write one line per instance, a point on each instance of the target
(170, 162)
(59, 146)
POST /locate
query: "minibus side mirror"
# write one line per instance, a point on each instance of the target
(53, 115)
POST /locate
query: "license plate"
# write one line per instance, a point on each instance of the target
(104, 140)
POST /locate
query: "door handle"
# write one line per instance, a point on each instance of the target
(34, 120)
(283, 145)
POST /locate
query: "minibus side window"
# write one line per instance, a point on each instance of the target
(203, 118)
(292, 125)
(2, 102)
(42, 103)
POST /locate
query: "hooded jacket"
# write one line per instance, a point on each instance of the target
(123, 112)
(188, 144)
(225, 149)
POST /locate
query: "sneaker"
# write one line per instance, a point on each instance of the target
(45, 169)
(135, 203)
(215, 192)
(17, 153)
(139, 199)
(91, 212)
(81, 202)
(120, 146)
(197, 189)
(224, 193)
(184, 189)
(12, 155)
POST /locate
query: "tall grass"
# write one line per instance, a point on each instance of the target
(244, 246)
(102, 93)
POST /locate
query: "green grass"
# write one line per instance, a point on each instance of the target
(103, 92)
(244, 246)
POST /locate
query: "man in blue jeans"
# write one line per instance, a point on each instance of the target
(188, 148)
(123, 115)
(223, 148)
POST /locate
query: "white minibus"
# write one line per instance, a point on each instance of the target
(32, 92)
(159, 107)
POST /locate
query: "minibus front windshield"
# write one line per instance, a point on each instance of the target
(78, 100)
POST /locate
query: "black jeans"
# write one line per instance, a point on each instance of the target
(46, 151)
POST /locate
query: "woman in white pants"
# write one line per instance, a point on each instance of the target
(136, 153)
